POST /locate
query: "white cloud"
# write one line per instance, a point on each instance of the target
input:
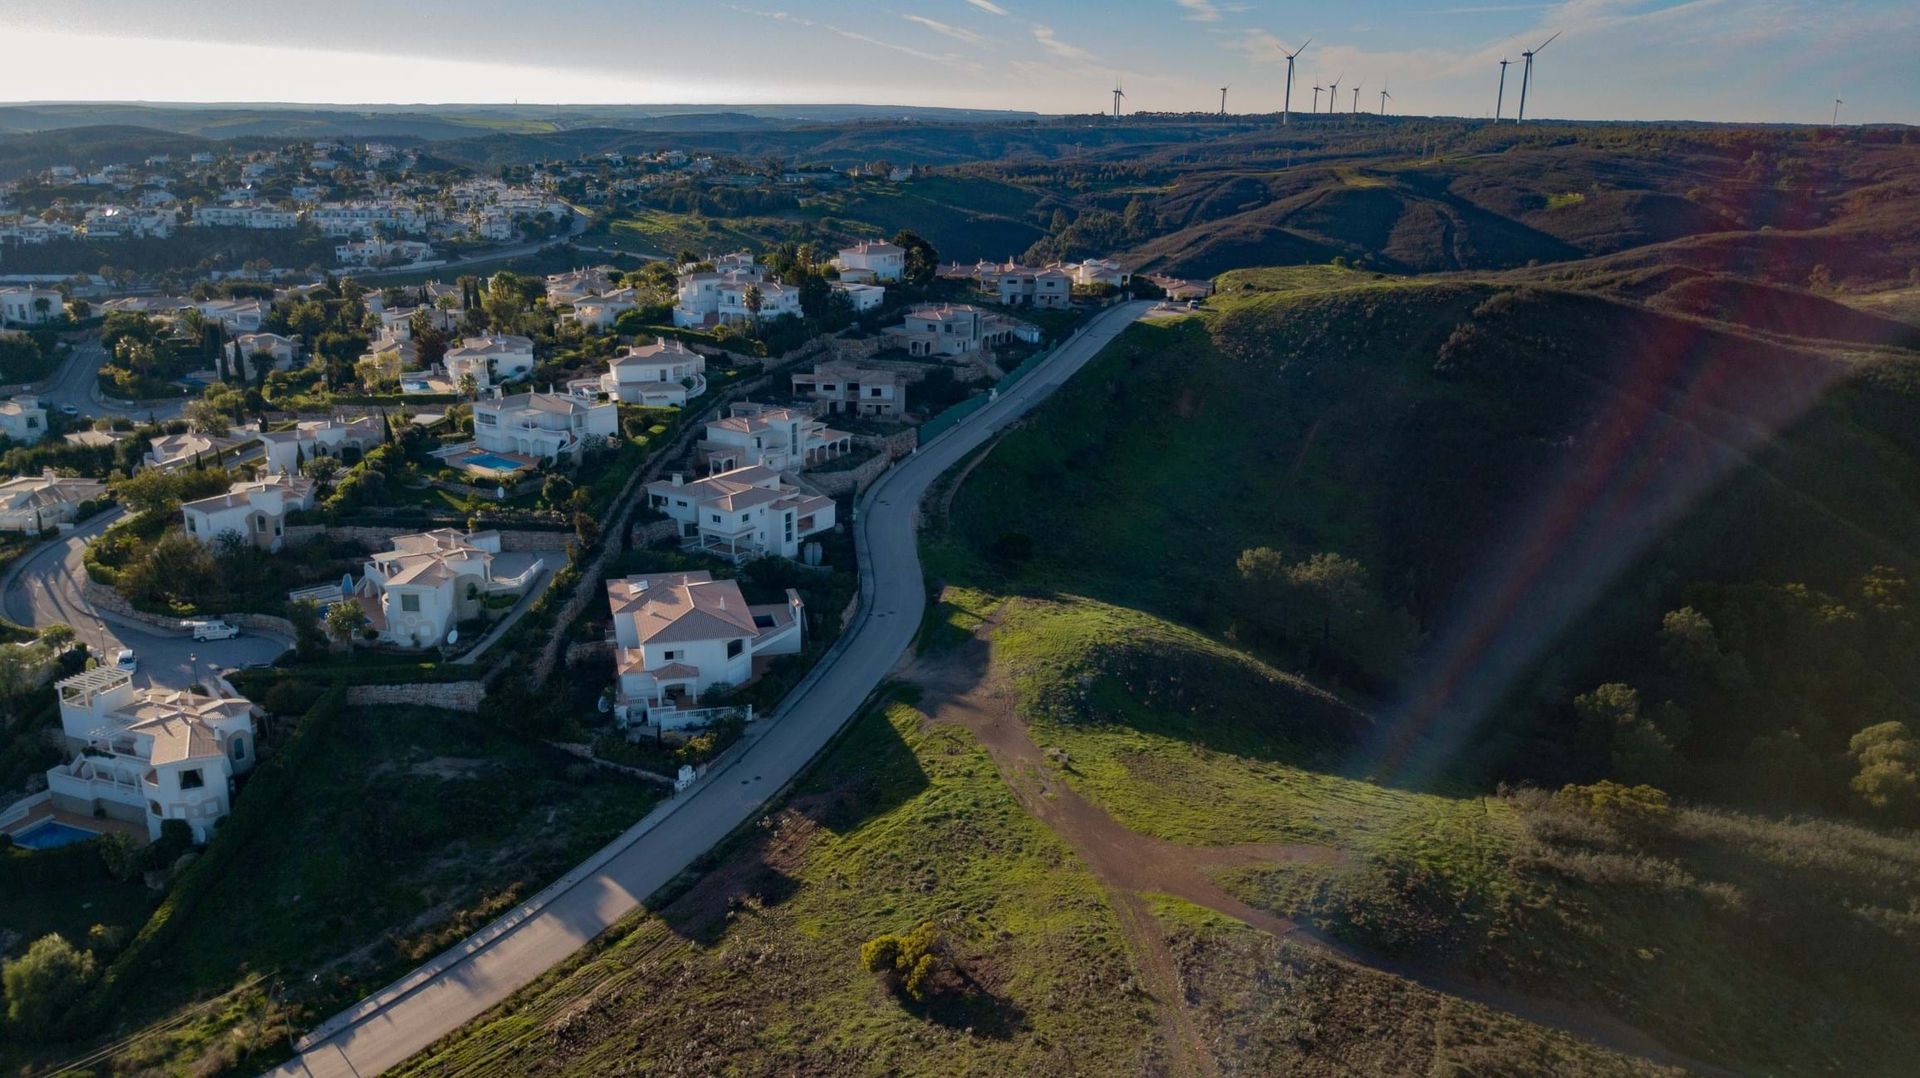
(1045, 36)
(958, 33)
(988, 6)
(1200, 10)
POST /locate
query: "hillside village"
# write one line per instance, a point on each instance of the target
(387, 538)
(488, 439)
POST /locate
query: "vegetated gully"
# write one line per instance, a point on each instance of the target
(961, 686)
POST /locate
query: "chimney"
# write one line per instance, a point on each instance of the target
(679, 479)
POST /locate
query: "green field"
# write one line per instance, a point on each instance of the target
(405, 830)
(758, 963)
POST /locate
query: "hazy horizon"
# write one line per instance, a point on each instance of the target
(1742, 61)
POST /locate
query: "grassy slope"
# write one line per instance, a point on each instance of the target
(415, 827)
(1766, 946)
(758, 964)
(1287, 1009)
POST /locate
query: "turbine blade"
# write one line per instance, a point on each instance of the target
(1547, 42)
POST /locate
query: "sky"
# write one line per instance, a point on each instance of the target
(1732, 60)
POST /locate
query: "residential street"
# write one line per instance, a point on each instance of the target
(44, 588)
(483, 970)
(78, 383)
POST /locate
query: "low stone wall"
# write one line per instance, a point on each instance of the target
(447, 695)
(851, 481)
(896, 445)
(108, 601)
(378, 538)
(590, 651)
(659, 531)
(846, 350)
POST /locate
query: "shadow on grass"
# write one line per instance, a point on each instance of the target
(964, 1004)
(868, 774)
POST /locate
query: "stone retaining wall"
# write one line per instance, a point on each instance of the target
(448, 695)
(895, 445)
(377, 538)
(851, 481)
(108, 601)
(590, 651)
(659, 531)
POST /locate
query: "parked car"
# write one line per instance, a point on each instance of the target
(214, 630)
(126, 660)
(70, 409)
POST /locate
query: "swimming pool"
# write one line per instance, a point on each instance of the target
(47, 834)
(493, 463)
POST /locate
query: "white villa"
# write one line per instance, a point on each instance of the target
(844, 388)
(31, 306)
(1024, 286)
(416, 593)
(284, 350)
(701, 293)
(492, 359)
(770, 436)
(663, 374)
(255, 511)
(576, 285)
(310, 438)
(601, 311)
(776, 300)
(245, 215)
(742, 514)
(957, 330)
(148, 754)
(169, 450)
(23, 419)
(863, 297)
(542, 425)
(32, 504)
(1098, 271)
(679, 635)
(235, 315)
(865, 263)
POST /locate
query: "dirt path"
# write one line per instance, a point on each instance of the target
(962, 687)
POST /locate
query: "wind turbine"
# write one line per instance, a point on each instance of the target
(1118, 94)
(1223, 98)
(1384, 98)
(1526, 74)
(1356, 99)
(1500, 98)
(1286, 103)
(1333, 94)
(1836, 111)
(1316, 98)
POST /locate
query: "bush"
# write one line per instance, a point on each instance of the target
(1630, 809)
(43, 984)
(909, 962)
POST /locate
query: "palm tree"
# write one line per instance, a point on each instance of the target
(754, 301)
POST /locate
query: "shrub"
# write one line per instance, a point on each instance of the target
(909, 962)
(44, 983)
(1632, 809)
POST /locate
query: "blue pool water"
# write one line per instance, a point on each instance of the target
(493, 462)
(47, 834)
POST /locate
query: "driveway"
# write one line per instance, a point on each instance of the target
(45, 587)
(462, 983)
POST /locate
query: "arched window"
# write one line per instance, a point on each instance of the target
(239, 748)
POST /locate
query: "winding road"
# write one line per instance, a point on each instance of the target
(407, 1016)
(45, 587)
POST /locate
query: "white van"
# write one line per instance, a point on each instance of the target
(214, 630)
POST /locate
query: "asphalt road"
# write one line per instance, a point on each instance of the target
(78, 383)
(459, 985)
(44, 588)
